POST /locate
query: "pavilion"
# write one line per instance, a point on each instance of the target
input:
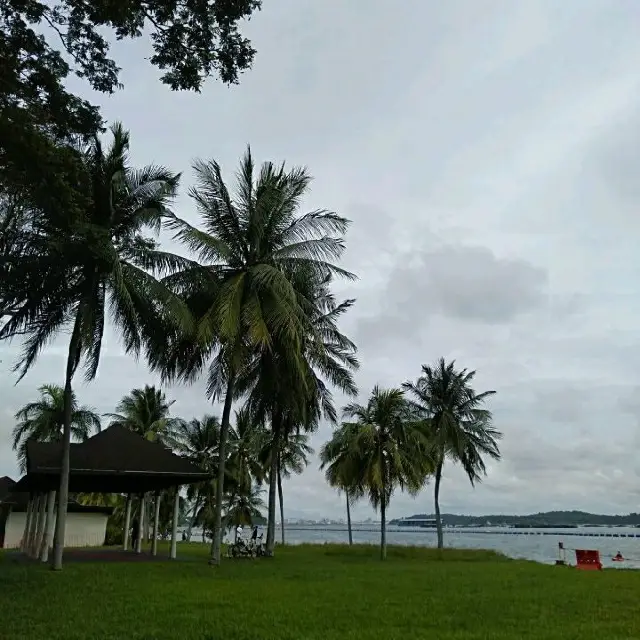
(115, 460)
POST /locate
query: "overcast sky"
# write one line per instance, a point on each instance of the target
(487, 153)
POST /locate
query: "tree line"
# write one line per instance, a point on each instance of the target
(402, 437)
(250, 308)
(146, 411)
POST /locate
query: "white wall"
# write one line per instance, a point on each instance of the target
(82, 530)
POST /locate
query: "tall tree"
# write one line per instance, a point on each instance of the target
(42, 43)
(43, 420)
(198, 440)
(292, 457)
(389, 449)
(146, 412)
(247, 439)
(289, 388)
(340, 460)
(244, 508)
(242, 292)
(455, 422)
(103, 263)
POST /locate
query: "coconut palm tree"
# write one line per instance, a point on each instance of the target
(93, 258)
(244, 508)
(455, 422)
(294, 400)
(247, 440)
(292, 456)
(146, 412)
(339, 458)
(198, 440)
(242, 291)
(43, 420)
(388, 446)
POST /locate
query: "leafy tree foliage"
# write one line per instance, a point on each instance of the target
(146, 412)
(73, 269)
(455, 423)
(339, 458)
(388, 449)
(43, 420)
(43, 42)
(252, 250)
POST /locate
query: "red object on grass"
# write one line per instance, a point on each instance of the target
(588, 559)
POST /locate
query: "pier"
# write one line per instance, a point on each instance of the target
(449, 530)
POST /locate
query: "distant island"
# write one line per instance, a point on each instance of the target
(546, 519)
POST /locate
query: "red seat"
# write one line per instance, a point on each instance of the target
(588, 559)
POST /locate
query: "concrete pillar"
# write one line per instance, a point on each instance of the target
(49, 524)
(141, 524)
(127, 524)
(156, 523)
(42, 514)
(27, 524)
(33, 526)
(174, 524)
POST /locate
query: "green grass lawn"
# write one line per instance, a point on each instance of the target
(318, 592)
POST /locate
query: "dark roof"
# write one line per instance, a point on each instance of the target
(115, 460)
(6, 487)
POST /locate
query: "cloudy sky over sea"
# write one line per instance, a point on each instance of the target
(487, 153)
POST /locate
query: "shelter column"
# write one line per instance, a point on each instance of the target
(47, 541)
(42, 514)
(174, 524)
(140, 525)
(33, 525)
(27, 524)
(127, 524)
(156, 521)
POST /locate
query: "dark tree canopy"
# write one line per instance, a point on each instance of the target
(42, 42)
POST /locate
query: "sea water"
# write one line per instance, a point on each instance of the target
(540, 545)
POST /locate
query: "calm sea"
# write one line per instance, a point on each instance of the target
(540, 545)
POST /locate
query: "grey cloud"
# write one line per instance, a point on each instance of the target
(467, 283)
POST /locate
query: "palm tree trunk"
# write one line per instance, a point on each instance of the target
(273, 481)
(65, 465)
(383, 528)
(349, 518)
(147, 517)
(192, 520)
(437, 505)
(216, 544)
(280, 500)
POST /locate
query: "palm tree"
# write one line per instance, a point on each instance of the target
(340, 461)
(388, 448)
(242, 291)
(292, 456)
(247, 440)
(295, 400)
(43, 420)
(93, 258)
(243, 508)
(455, 423)
(198, 440)
(146, 412)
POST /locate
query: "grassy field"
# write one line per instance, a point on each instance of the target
(318, 592)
